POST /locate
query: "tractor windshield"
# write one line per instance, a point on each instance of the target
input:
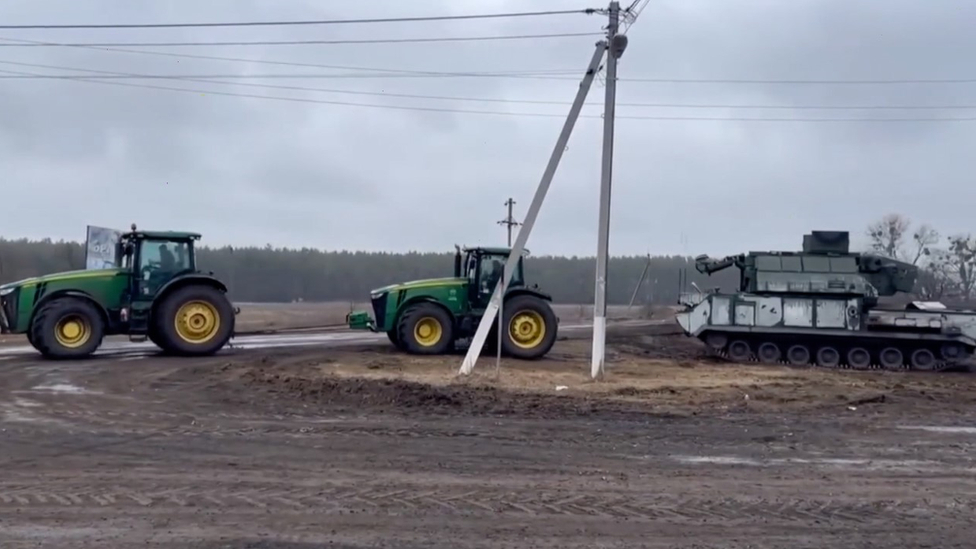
(488, 271)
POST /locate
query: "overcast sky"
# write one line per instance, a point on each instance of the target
(247, 170)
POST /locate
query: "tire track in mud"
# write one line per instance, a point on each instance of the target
(392, 499)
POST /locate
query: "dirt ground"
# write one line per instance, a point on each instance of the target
(363, 447)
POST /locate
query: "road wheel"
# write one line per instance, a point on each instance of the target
(923, 359)
(716, 342)
(828, 357)
(891, 358)
(425, 329)
(798, 355)
(769, 353)
(952, 352)
(859, 358)
(739, 351)
(194, 320)
(67, 328)
(531, 327)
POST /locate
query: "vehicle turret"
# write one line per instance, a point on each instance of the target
(825, 266)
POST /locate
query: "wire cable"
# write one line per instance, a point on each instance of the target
(305, 22)
(297, 63)
(534, 74)
(312, 42)
(115, 75)
(92, 80)
(798, 82)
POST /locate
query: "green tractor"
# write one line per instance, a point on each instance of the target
(429, 316)
(154, 291)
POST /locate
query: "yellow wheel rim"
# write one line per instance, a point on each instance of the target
(428, 331)
(527, 329)
(72, 331)
(197, 322)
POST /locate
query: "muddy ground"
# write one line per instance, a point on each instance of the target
(362, 447)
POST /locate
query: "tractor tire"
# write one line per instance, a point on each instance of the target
(530, 327)
(153, 336)
(395, 339)
(193, 321)
(426, 329)
(67, 328)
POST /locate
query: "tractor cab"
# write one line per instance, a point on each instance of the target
(483, 268)
(155, 257)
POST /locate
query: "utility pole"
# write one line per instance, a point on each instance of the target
(640, 282)
(616, 44)
(509, 221)
(481, 334)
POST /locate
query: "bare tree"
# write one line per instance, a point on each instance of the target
(935, 279)
(888, 235)
(961, 263)
(923, 239)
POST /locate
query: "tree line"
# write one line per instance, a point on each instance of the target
(266, 274)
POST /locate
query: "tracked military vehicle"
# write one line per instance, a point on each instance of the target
(821, 306)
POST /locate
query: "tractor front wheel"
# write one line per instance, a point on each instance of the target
(194, 321)
(531, 327)
(67, 328)
(425, 329)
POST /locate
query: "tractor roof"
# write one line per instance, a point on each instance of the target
(163, 235)
(493, 250)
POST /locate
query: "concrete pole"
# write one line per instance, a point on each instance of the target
(615, 50)
(481, 334)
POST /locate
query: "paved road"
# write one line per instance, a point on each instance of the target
(123, 349)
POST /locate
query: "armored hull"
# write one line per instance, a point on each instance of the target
(820, 306)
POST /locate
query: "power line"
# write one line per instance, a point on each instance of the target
(94, 80)
(312, 42)
(305, 22)
(533, 74)
(110, 75)
(798, 82)
(528, 74)
(113, 75)
(242, 76)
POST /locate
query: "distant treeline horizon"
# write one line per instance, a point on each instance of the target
(274, 274)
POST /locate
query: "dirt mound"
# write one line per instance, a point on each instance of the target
(350, 395)
(664, 347)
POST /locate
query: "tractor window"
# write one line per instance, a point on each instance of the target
(471, 267)
(491, 272)
(164, 255)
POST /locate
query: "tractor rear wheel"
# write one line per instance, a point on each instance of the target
(531, 327)
(193, 321)
(66, 328)
(425, 329)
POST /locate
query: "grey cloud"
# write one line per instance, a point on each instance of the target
(248, 170)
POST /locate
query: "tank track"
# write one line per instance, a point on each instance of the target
(844, 356)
